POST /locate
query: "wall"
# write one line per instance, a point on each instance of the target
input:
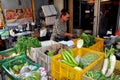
(59, 4)
(14, 4)
(119, 17)
(38, 4)
(118, 20)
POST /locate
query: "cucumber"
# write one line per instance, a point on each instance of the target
(70, 64)
(71, 57)
(71, 52)
(63, 56)
(67, 57)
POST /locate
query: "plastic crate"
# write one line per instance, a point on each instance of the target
(4, 34)
(116, 71)
(5, 56)
(98, 46)
(45, 60)
(22, 59)
(44, 44)
(61, 71)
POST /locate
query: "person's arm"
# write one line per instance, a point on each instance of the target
(63, 33)
(69, 34)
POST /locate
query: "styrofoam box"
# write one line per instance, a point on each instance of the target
(43, 59)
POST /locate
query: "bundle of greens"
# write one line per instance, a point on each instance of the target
(97, 75)
(25, 43)
(88, 40)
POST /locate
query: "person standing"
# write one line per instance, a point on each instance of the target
(60, 29)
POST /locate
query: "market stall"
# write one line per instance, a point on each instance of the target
(85, 57)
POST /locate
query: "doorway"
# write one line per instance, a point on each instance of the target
(108, 16)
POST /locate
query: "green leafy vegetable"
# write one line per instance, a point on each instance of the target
(51, 53)
(25, 43)
(88, 40)
(96, 75)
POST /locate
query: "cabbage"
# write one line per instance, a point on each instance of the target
(88, 59)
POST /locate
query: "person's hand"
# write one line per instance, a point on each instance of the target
(70, 35)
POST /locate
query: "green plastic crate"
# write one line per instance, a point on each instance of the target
(8, 52)
(16, 61)
(5, 54)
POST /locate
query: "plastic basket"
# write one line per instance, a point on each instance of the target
(116, 71)
(61, 71)
(22, 59)
(5, 56)
(98, 46)
(4, 34)
(45, 60)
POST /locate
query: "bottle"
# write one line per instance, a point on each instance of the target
(32, 26)
(109, 32)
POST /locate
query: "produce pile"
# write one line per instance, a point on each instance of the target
(68, 58)
(19, 68)
(97, 75)
(109, 62)
(52, 52)
(25, 43)
(33, 75)
(7, 55)
(88, 40)
(106, 72)
(79, 62)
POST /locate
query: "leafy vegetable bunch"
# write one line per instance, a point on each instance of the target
(25, 43)
(97, 75)
(88, 40)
